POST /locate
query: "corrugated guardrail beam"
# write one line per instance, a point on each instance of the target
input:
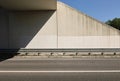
(63, 52)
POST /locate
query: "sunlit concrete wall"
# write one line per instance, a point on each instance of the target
(77, 30)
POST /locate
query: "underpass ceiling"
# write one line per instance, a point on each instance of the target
(29, 4)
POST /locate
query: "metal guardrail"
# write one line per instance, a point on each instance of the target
(63, 52)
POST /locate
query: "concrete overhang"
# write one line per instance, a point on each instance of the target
(29, 4)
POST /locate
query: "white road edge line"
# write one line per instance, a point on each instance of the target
(97, 71)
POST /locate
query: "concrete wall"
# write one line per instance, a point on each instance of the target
(64, 28)
(77, 30)
(33, 29)
(28, 29)
(3, 29)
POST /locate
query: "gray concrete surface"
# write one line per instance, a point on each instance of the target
(61, 64)
(28, 4)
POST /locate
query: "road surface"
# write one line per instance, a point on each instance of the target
(80, 69)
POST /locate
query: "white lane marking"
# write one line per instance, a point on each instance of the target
(91, 71)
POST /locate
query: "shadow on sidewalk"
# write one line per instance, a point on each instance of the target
(8, 53)
(5, 56)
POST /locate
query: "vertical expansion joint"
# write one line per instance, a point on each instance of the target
(57, 25)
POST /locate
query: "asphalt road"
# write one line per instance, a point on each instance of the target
(60, 70)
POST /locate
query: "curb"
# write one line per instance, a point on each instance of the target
(74, 54)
